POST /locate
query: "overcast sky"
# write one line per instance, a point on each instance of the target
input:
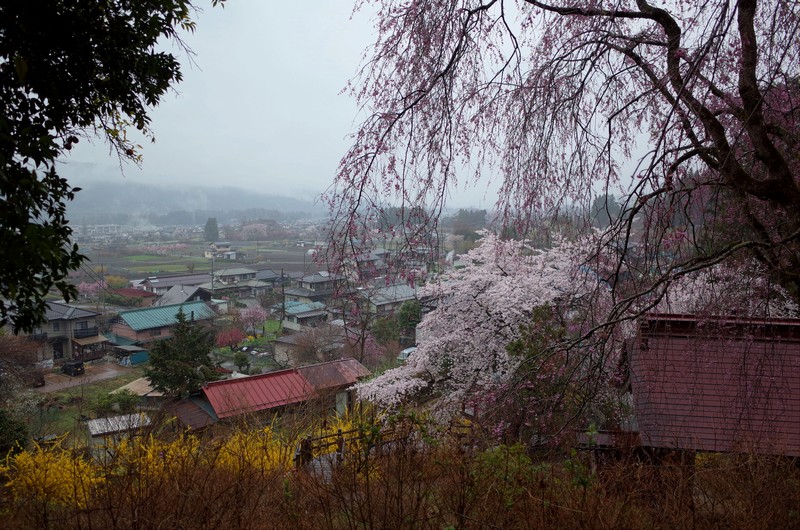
(261, 109)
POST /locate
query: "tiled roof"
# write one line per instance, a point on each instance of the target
(234, 271)
(59, 311)
(391, 294)
(299, 308)
(267, 275)
(178, 294)
(322, 277)
(157, 317)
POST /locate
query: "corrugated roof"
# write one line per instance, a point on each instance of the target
(97, 339)
(157, 317)
(259, 392)
(717, 384)
(233, 397)
(114, 424)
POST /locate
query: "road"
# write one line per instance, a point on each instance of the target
(98, 371)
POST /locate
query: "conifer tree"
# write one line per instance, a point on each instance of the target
(181, 364)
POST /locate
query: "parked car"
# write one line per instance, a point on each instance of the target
(405, 354)
(73, 368)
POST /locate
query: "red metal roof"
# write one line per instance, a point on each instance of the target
(259, 392)
(232, 397)
(718, 384)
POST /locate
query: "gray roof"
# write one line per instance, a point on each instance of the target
(234, 271)
(114, 424)
(322, 277)
(59, 311)
(267, 275)
(299, 308)
(184, 279)
(391, 294)
(178, 294)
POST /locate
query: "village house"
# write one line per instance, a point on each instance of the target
(69, 332)
(299, 316)
(236, 281)
(320, 287)
(324, 387)
(161, 284)
(385, 300)
(220, 250)
(366, 266)
(181, 294)
(155, 323)
(312, 345)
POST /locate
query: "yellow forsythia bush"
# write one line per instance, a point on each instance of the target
(51, 476)
(259, 450)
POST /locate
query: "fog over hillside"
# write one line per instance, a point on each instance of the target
(110, 202)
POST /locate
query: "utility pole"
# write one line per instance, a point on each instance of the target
(212, 275)
(283, 300)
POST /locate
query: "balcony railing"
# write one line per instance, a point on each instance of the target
(83, 333)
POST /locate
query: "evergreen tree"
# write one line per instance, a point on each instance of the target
(409, 315)
(181, 364)
(211, 230)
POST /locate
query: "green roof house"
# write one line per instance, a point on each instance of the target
(155, 323)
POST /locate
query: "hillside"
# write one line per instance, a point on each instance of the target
(102, 202)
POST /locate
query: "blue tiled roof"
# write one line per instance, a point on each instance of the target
(157, 317)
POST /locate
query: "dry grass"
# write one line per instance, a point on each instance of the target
(417, 482)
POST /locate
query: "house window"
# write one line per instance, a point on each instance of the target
(155, 332)
(56, 326)
(82, 325)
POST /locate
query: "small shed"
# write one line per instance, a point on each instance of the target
(106, 433)
(717, 384)
(131, 355)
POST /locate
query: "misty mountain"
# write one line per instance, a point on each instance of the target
(104, 202)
